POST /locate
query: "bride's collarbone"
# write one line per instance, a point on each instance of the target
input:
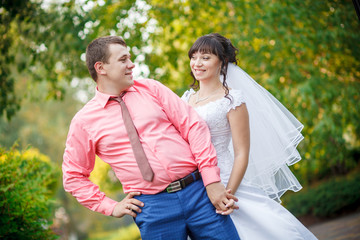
(195, 101)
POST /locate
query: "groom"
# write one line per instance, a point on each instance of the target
(165, 194)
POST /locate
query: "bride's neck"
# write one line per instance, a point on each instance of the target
(207, 88)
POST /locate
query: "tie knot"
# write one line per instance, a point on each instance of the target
(122, 94)
(119, 98)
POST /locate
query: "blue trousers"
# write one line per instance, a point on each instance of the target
(178, 215)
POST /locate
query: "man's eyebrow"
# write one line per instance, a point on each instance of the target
(125, 56)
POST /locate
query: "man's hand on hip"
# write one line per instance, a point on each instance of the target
(128, 206)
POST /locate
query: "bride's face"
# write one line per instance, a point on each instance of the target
(205, 66)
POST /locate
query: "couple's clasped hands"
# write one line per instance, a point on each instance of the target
(222, 199)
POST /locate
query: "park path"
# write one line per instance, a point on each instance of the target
(343, 228)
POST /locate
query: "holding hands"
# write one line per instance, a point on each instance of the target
(128, 206)
(222, 199)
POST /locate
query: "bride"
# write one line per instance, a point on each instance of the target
(255, 138)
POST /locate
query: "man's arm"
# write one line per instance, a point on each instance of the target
(78, 163)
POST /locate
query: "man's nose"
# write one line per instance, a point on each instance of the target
(131, 64)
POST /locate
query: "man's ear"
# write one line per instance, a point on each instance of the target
(99, 67)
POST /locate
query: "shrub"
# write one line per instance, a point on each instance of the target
(27, 183)
(328, 199)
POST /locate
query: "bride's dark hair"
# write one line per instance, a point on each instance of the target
(218, 45)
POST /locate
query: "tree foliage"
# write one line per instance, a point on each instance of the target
(38, 44)
(27, 183)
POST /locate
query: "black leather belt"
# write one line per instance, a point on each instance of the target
(183, 182)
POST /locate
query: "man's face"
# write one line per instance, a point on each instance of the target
(119, 67)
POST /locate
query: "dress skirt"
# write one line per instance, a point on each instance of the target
(261, 218)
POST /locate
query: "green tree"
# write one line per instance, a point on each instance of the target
(40, 43)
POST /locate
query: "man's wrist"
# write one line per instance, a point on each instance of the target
(107, 206)
(210, 175)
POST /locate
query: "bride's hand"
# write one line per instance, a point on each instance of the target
(222, 199)
(230, 205)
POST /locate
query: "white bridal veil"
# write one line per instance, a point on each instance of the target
(274, 136)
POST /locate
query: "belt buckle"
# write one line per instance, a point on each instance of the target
(174, 187)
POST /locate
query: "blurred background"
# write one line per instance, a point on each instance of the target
(306, 53)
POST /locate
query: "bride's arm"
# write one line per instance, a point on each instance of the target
(240, 131)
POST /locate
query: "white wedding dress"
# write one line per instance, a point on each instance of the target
(259, 217)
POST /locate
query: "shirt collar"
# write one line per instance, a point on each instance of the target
(103, 98)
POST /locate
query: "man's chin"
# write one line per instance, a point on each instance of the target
(130, 83)
(131, 79)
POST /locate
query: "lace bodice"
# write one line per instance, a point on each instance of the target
(215, 115)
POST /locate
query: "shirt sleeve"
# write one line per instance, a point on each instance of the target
(78, 163)
(193, 129)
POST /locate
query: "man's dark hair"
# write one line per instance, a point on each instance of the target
(98, 51)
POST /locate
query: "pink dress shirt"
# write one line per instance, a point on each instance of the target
(175, 139)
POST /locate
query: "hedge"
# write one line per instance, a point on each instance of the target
(27, 184)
